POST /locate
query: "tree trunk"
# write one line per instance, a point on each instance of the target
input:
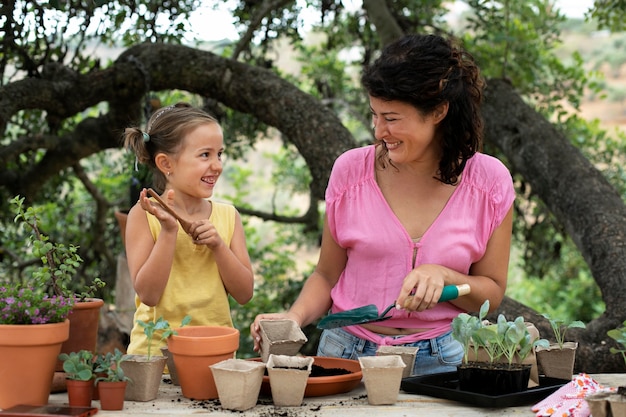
(590, 209)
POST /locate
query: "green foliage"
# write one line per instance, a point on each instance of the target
(59, 262)
(619, 335)
(160, 325)
(502, 339)
(79, 365)
(109, 364)
(559, 328)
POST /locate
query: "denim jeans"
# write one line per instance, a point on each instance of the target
(441, 354)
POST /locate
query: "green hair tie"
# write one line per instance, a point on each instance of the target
(146, 137)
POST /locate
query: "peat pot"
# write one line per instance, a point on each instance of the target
(382, 376)
(280, 337)
(194, 349)
(238, 383)
(145, 376)
(288, 378)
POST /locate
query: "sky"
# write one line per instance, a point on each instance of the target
(213, 25)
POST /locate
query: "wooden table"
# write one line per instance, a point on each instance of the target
(170, 402)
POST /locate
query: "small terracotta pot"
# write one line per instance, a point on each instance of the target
(79, 393)
(288, 378)
(238, 383)
(280, 337)
(112, 394)
(195, 349)
(382, 376)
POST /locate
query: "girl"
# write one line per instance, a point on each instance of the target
(178, 272)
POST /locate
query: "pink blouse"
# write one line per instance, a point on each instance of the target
(380, 251)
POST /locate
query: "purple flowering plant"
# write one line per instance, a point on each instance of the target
(26, 305)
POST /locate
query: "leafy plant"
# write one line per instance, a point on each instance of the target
(27, 305)
(503, 339)
(619, 335)
(109, 364)
(464, 327)
(79, 365)
(560, 327)
(58, 261)
(151, 327)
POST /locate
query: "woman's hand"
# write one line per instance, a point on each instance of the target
(422, 288)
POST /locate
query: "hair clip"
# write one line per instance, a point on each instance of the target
(146, 137)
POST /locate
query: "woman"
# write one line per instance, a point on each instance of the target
(420, 209)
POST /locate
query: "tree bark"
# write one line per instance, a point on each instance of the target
(589, 208)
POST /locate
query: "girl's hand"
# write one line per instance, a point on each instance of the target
(203, 232)
(168, 222)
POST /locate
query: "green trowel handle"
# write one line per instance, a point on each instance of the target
(450, 292)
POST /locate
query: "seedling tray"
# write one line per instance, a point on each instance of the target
(446, 385)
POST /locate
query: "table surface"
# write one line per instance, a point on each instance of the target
(171, 402)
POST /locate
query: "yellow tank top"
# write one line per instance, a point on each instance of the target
(194, 287)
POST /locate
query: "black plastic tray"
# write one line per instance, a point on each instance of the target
(446, 385)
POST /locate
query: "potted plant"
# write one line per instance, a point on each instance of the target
(111, 385)
(506, 343)
(617, 401)
(58, 266)
(146, 371)
(557, 359)
(78, 368)
(33, 326)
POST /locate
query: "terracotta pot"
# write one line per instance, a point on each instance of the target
(238, 383)
(493, 378)
(382, 376)
(195, 349)
(83, 328)
(556, 362)
(112, 394)
(288, 378)
(145, 376)
(29, 354)
(79, 393)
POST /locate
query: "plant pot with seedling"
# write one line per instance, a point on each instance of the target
(506, 344)
(146, 371)
(557, 359)
(79, 373)
(113, 382)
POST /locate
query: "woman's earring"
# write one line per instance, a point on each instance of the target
(168, 173)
